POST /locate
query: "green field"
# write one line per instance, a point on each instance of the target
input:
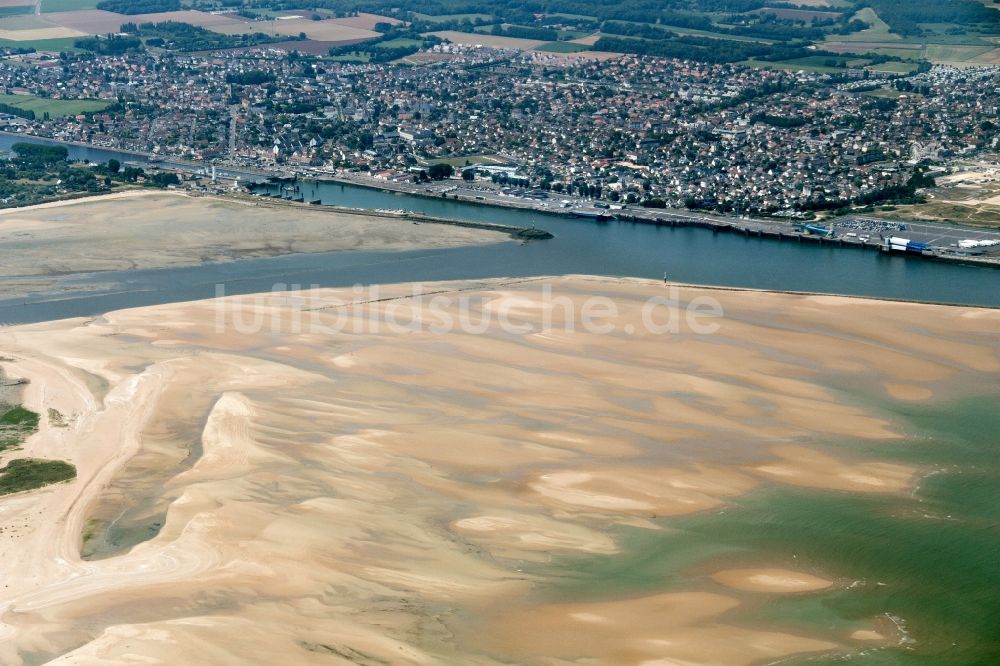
(16, 11)
(67, 5)
(55, 107)
(350, 57)
(64, 44)
(951, 53)
(25, 22)
(400, 43)
(708, 33)
(561, 47)
(571, 17)
(450, 17)
(877, 31)
(796, 65)
(895, 67)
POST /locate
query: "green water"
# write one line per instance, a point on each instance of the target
(932, 561)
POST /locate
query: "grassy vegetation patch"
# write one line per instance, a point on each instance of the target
(402, 42)
(794, 65)
(56, 419)
(54, 107)
(561, 47)
(21, 417)
(571, 17)
(68, 5)
(16, 11)
(948, 53)
(56, 45)
(450, 17)
(33, 473)
(16, 425)
(895, 67)
(877, 30)
(355, 56)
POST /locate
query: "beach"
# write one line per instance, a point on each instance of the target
(424, 476)
(44, 245)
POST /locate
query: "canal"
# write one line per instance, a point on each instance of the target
(580, 246)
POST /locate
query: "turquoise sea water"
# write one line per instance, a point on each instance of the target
(928, 563)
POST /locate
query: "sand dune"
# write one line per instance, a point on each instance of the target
(291, 494)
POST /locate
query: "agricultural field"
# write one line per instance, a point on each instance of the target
(717, 35)
(399, 43)
(90, 21)
(796, 65)
(328, 30)
(15, 10)
(64, 20)
(22, 36)
(424, 58)
(561, 47)
(54, 6)
(356, 56)
(895, 67)
(951, 54)
(797, 14)
(365, 21)
(941, 43)
(64, 44)
(55, 107)
(191, 17)
(820, 4)
(589, 40)
(572, 17)
(494, 41)
(877, 30)
(429, 18)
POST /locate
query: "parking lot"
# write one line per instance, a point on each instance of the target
(938, 235)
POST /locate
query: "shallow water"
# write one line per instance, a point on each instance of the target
(580, 246)
(925, 563)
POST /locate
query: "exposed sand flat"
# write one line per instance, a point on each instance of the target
(908, 391)
(776, 581)
(678, 628)
(867, 635)
(801, 466)
(43, 244)
(267, 483)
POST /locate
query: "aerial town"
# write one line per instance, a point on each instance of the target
(631, 129)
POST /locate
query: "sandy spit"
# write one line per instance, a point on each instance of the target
(44, 244)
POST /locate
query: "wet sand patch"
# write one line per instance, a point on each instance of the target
(774, 581)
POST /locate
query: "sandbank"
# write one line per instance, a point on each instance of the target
(306, 490)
